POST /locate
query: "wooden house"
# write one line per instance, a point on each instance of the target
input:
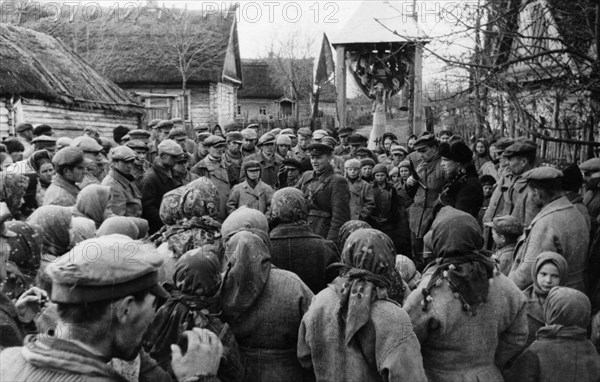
(179, 63)
(44, 82)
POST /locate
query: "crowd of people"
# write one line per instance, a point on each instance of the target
(294, 255)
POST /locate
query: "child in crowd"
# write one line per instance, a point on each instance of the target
(505, 232)
(366, 169)
(488, 183)
(386, 215)
(362, 201)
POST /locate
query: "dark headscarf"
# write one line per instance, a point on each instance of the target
(55, 223)
(189, 214)
(25, 249)
(194, 298)
(367, 264)
(347, 228)
(12, 189)
(457, 244)
(247, 271)
(135, 228)
(567, 307)
(288, 206)
(93, 201)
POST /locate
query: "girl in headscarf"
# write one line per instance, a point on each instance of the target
(469, 318)
(352, 330)
(41, 163)
(262, 304)
(135, 228)
(294, 246)
(561, 352)
(481, 153)
(550, 270)
(55, 223)
(12, 189)
(194, 304)
(93, 202)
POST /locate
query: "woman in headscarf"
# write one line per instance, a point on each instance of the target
(55, 223)
(263, 304)
(12, 189)
(561, 352)
(469, 318)
(194, 303)
(550, 270)
(41, 163)
(352, 330)
(93, 202)
(347, 229)
(294, 246)
(135, 228)
(25, 254)
(482, 153)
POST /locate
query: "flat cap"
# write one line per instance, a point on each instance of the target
(76, 279)
(345, 132)
(125, 138)
(506, 225)
(24, 126)
(457, 151)
(318, 149)
(287, 131)
(305, 132)
(367, 162)
(283, 139)
(502, 143)
(69, 156)
(329, 141)
(520, 148)
(266, 138)
(427, 139)
(164, 124)
(42, 130)
(380, 168)
(64, 142)
(230, 127)
(397, 149)
(139, 134)
(177, 132)
(319, 134)
(249, 134)
(487, 180)
(234, 136)
(404, 163)
(590, 165)
(276, 131)
(543, 173)
(357, 139)
(292, 162)
(43, 139)
(87, 144)
(214, 141)
(201, 127)
(253, 126)
(203, 135)
(153, 123)
(169, 146)
(363, 151)
(123, 153)
(177, 120)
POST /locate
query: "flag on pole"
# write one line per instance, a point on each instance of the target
(325, 66)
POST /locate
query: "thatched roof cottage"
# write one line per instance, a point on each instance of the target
(42, 81)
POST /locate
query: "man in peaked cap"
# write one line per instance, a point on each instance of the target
(426, 182)
(70, 166)
(591, 180)
(163, 127)
(327, 194)
(506, 230)
(290, 133)
(179, 135)
(249, 142)
(292, 170)
(356, 141)
(269, 160)
(252, 192)
(317, 135)
(104, 308)
(284, 145)
(558, 227)
(344, 147)
(158, 181)
(126, 198)
(213, 167)
(25, 136)
(140, 164)
(232, 158)
(92, 153)
(140, 134)
(304, 137)
(463, 190)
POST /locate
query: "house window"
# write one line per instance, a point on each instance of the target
(262, 110)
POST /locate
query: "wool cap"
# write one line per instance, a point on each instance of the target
(105, 268)
(42, 130)
(380, 168)
(352, 163)
(367, 162)
(283, 139)
(456, 151)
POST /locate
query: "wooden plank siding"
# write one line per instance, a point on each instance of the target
(4, 118)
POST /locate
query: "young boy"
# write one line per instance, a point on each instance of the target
(505, 232)
(362, 201)
(488, 183)
(366, 169)
(252, 192)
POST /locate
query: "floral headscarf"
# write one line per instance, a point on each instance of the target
(38, 158)
(247, 271)
(55, 223)
(366, 269)
(93, 201)
(170, 206)
(200, 198)
(288, 206)
(347, 228)
(12, 189)
(135, 228)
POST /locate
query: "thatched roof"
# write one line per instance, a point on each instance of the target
(259, 81)
(35, 65)
(141, 46)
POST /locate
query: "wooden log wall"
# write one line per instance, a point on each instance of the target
(4, 119)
